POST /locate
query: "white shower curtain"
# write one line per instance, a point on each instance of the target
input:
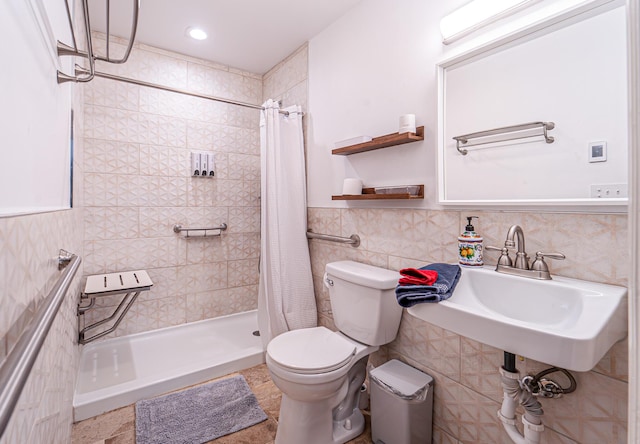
(285, 298)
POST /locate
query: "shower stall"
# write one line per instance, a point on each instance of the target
(142, 122)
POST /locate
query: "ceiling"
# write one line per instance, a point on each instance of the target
(252, 35)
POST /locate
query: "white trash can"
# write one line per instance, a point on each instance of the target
(401, 404)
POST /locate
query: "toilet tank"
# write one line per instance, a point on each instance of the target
(363, 301)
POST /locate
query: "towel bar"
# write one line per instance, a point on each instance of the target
(89, 54)
(465, 140)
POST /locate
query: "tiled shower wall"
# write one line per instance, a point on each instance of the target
(138, 185)
(467, 385)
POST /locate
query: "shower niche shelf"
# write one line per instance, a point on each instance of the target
(370, 194)
(385, 141)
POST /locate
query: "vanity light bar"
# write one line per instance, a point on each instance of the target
(475, 15)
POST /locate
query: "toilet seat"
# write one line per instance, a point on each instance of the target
(311, 351)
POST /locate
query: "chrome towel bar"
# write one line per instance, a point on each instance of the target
(89, 54)
(177, 228)
(353, 240)
(465, 140)
(17, 366)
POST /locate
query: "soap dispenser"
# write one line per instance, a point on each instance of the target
(470, 245)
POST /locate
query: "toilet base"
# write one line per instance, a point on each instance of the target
(348, 429)
(311, 426)
(332, 420)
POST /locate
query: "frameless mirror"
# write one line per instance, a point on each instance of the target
(574, 74)
(36, 146)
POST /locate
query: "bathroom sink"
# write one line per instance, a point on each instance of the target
(564, 322)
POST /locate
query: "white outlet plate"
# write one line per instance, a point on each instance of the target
(609, 190)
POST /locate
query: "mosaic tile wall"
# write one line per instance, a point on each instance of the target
(138, 185)
(467, 386)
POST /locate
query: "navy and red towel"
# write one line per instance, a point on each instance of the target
(447, 278)
(417, 276)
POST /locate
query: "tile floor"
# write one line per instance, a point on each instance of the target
(118, 426)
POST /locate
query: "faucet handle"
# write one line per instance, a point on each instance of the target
(540, 265)
(541, 255)
(504, 258)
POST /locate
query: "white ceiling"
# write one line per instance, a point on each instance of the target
(252, 35)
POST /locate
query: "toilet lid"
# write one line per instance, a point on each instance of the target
(311, 350)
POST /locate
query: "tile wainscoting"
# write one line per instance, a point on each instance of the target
(467, 385)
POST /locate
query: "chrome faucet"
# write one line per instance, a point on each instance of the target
(538, 269)
(522, 260)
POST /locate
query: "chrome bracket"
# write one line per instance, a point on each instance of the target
(64, 257)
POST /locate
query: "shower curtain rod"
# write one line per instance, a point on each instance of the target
(105, 75)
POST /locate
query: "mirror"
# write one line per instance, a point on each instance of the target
(36, 145)
(573, 74)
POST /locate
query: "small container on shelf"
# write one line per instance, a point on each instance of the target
(403, 192)
(411, 190)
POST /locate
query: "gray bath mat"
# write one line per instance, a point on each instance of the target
(199, 414)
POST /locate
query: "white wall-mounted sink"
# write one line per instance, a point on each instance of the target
(564, 322)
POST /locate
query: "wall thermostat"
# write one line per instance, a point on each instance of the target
(597, 151)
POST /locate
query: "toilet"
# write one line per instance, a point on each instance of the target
(320, 372)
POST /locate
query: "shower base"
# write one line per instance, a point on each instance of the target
(117, 372)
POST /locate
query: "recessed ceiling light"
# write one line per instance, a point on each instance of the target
(196, 33)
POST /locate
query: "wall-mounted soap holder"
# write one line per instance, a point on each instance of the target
(203, 164)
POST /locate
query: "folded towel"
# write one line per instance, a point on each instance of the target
(448, 276)
(417, 276)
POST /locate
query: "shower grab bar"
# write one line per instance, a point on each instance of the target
(66, 50)
(465, 139)
(353, 240)
(177, 228)
(17, 366)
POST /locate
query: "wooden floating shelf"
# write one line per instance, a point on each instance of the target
(381, 142)
(370, 194)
